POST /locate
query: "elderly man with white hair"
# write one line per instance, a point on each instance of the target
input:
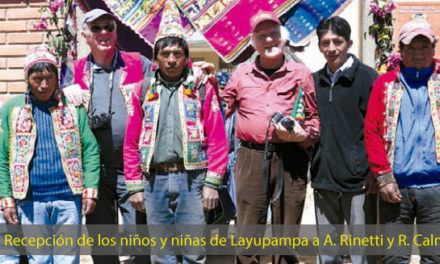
(258, 90)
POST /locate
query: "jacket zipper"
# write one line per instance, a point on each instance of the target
(330, 94)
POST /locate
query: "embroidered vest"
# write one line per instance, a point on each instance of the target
(22, 146)
(194, 149)
(131, 73)
(393, 98)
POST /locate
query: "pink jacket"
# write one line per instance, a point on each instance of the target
(141, 133)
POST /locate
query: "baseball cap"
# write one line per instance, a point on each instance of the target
(263, 16)
(94, 14)
(413, 29)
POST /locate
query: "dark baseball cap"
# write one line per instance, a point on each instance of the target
(94, 14)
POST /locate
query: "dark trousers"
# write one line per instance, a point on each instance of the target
(113, 194)
(421, 205)
(253, 202)
(336, 208)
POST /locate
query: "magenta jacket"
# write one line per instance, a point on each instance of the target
(203, 134)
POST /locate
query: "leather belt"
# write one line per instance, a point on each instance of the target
(167, 167)
(256, 146)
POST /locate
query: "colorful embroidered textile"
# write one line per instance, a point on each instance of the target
(142, 16)
(171, 24)
(224, 23)
(77, 146)
(203, 134)
(38, 54)
(302, 21)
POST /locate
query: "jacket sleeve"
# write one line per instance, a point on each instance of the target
(375, 142)
(5, 179)
(311, 122)
(90, 157)
(216, 141)
(132, 171)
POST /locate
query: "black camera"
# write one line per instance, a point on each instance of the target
(101, 121)
(285, 121)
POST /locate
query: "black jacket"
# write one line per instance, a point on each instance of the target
(340, 160)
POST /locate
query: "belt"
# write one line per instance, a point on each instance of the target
(256, 146)
(167, 167)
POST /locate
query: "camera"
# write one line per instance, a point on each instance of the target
(285, 121)
(101, 121)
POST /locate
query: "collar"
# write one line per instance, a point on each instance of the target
(56, 97)
(417, 75)
(43, 104)
(185, 79)
(116, 63)
(286, 67)
(169, 85)
(347, 70)
(347, 64)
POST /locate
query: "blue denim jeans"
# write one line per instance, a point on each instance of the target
(60, 212)
(175, 198)
(7, 259)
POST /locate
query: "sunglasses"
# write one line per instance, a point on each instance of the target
(99, 28)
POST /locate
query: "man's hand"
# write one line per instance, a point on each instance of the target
(390, 193)
(370, 184)
(204, 71)
(297, 134)
(312, 138)
(88, 206)
(75, 95)
(209, 198)
(10, 215)
(137, 201)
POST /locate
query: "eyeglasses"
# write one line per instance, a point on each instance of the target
(98, 28)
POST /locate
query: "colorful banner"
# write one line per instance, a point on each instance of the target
(142, 16)
(225, 24)
(302, 21)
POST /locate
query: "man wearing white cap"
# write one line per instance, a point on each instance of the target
(108, 76)
(401, 134)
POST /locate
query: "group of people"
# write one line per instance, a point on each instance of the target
(148, 138)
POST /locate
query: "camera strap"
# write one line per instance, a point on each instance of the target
(92, 88)
(266, 178)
